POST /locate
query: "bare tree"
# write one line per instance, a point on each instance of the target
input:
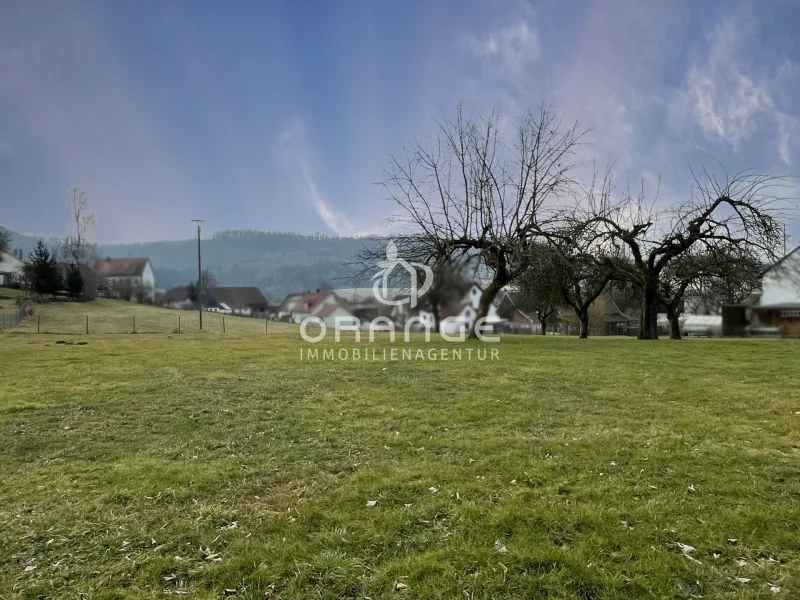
(81, 226)
(724, 214)
(714, 276)
(5, 241)
(207, 280)
(468, 192)
(448, 285)
(541, 284)
(585, 275)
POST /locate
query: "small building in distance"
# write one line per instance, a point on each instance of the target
(176, 298)
(11, 264)
(135, 274)
(778, 309)
(239, 301)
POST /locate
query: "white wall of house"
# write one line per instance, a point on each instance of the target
(10, 265)
(148, 277)
(330, 320)
(146, 281)
(781, 284)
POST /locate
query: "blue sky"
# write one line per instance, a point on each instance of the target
(279, 115)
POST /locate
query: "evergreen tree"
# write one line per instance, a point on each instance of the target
(74, 281)
(44, 272)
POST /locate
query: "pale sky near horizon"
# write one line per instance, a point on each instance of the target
(279, 115)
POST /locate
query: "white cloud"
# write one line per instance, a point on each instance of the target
(788, 135)
(506, 51)
(727, 93)
(292, 154)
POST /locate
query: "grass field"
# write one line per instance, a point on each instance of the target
(117, 316)
(155, 466)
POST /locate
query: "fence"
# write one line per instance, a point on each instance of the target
(146, 322)
(11, 318)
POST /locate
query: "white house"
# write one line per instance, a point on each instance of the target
(461, 314)
(304, 306)
(778, 308)
(11, 264)
(134, 272)
(329, 310)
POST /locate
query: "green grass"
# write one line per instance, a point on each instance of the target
(151, 466)
(8, 298)
(117, 316)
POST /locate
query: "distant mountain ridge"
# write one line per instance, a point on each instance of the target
(277, 262)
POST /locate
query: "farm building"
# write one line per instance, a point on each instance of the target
(240, 301)
(133, 273)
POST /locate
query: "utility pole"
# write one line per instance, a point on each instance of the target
(199, 274)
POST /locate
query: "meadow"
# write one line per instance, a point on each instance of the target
(205, 466)
(105, 316)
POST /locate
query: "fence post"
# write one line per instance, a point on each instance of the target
(223, 323)
(87, 324)
(179, 323)
(38, 323)
(134, 323)
(266, 325)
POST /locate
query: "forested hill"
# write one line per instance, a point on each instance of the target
(276, 262)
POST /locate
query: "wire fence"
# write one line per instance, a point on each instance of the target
(9, 319)
(175, 322)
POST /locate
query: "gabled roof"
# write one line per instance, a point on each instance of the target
(308, 302)
(121, 267)
(237, 298)
(329, 309)
(780, 261)
(9, 259)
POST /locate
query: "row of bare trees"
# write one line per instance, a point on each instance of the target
(511, 197)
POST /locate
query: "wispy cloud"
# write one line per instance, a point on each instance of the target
(723, 94)
(734, 97)
(508, 50)
(292, 155)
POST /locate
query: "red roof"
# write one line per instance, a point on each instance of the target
(327, 310)
(121, 267)
(309, 302)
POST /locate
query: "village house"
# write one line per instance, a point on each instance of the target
(176, 299)
(11, 265)
(300, 306)
(462, 313)
(239, 301)
(132, 273)
(778, 308)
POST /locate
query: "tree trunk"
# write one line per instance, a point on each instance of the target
(486, 302)
(543, 323)
(583, 316)
(648, 323)
(436, 318)
(674, 325)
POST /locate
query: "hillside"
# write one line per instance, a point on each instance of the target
(276, 262)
